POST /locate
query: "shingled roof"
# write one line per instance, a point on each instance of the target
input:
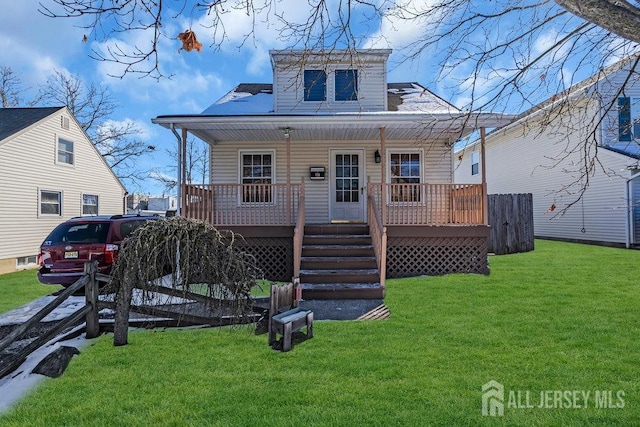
(13, 120)
(255, 98)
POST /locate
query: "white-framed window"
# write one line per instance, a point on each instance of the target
(405, 170)
(65, 153)
(346, 85)
(50, 203)
(89, 204)
(315, 85)
(257, 173)
(475, 163)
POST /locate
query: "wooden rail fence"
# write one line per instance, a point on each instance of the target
(89, 281)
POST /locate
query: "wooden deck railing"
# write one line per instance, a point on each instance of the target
(243, 204)
(298, 236)
(378, 235)
(430, 204)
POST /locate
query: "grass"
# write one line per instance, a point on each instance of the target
(21, 287)
(563, 317)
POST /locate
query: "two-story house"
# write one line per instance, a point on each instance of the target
(49, 172)
(337, 177)
(578, 153)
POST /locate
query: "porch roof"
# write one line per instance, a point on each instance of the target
(399, 125)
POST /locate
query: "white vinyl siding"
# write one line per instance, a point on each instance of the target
(305, 154)
(520, 161)
(289, 87)
(27, 165)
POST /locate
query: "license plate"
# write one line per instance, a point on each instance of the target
(71, 255)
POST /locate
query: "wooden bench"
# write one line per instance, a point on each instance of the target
(291, 320)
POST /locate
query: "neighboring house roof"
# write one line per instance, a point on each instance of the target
(579, 89)
(13, 120)
(257, 98)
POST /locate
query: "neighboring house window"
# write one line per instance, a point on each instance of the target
(315, 85)
(65, 151)
(257, 177)
(405, 169)
(50, 202)
(346, 85)
(89, 204)
(628, 119)
(475, 163)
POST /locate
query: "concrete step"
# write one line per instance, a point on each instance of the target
(343, 309)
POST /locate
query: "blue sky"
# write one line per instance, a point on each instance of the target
(33, 45)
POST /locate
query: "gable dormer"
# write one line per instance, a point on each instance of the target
(314, 81)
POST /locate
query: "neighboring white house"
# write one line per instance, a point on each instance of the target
(145, 204)
(544, 153)
(49, 171)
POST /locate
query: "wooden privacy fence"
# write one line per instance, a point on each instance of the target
(511, 221)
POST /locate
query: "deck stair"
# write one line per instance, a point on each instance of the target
(338, 263)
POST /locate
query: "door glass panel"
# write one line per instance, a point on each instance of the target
(347, 181)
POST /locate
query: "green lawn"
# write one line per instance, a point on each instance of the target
(563, 318)
(21, 287)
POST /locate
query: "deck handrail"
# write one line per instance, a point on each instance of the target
(298, 234)
(378, 234)
(242, 204)
(430, 203)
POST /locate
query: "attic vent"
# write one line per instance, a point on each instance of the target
(64, 122)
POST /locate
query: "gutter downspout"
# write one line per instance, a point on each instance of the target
(629, 209)
(179, 192)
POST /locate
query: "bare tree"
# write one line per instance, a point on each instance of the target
(10, 88)
(92, 105)
(197, 166)
(503, 55)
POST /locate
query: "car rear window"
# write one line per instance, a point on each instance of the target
(128, 227)
(90, 232)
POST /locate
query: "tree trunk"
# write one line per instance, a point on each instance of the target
(619, 16)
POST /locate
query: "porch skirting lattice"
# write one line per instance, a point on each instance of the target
(273, 255)
(416, 256)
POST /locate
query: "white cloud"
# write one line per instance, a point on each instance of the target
(399, 27)
(32, 45)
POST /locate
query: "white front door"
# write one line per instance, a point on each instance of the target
(347, 193)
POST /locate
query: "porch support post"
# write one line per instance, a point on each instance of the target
(383, 196)
(288, 194)
(179, 174)
(485, 196)
(183, 167)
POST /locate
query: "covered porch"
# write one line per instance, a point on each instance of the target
(415, 227)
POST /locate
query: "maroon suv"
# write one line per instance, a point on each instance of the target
(72, 243)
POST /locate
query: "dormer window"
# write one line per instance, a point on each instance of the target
(346, 85)
(315, 85)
